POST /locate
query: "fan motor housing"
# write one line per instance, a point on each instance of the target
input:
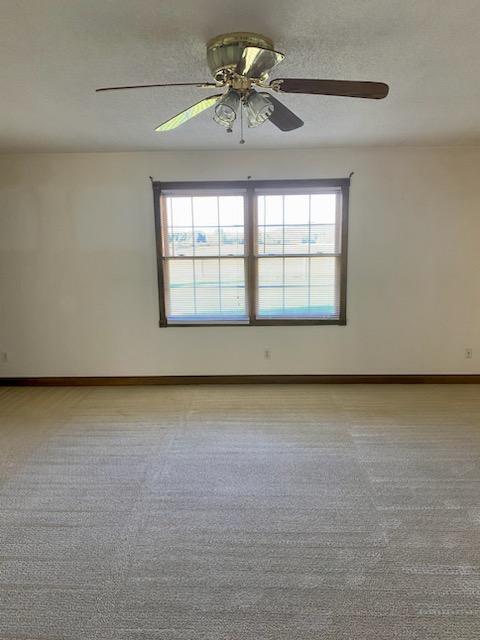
(225, 51)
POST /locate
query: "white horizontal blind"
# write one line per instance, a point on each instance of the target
(298, 253)
(204, 258)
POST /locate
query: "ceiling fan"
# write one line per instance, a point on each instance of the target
(241, 64)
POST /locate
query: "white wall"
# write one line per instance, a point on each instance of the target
(78, 290)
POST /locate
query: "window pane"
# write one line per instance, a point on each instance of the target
(270, 240)
(297, 239)
(270, 272)
(296, 300)
(270, 299)
(323, 208)
(181, 212)
(206, 290)
(273, 209)
(297, 271)
(233, 301)
(205, 211)
(206, 241)
(206, 272)
(297, 209)
(205, 221)
(180, 273)
(180, 241)
(231, 211)
(180, 298)
(261, 210)
(322, 271)
(231, 241)
(323, 238)
(297, 288)
(207, 301)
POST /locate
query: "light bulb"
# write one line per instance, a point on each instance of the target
(258, 108)
(226, 109)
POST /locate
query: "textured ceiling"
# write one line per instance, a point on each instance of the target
(54, 53)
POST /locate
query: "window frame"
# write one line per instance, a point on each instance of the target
(249, 187)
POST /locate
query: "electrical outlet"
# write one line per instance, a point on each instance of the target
(3, 356)
(267, 354)
(468, 353)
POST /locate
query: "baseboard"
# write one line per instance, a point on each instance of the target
(67, 381)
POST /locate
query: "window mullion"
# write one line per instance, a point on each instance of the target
(309, 260)
(251, 282)
(219, 253)
(283, 253)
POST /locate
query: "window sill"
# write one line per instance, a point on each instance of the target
(265, 322)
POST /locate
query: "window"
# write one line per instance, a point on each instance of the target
(252, 253)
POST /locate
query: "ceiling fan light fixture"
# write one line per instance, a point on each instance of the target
(241, 60)
(226, 108)
(258, 108)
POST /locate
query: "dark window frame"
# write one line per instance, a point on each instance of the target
(250, 186)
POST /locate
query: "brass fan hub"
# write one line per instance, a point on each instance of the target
(225, 51)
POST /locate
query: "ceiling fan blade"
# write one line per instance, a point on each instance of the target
(188, 114)
(255, 61)
(282, 117)
(349, 88)
(201, 85)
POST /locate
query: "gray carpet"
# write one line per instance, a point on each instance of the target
(240, 513)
